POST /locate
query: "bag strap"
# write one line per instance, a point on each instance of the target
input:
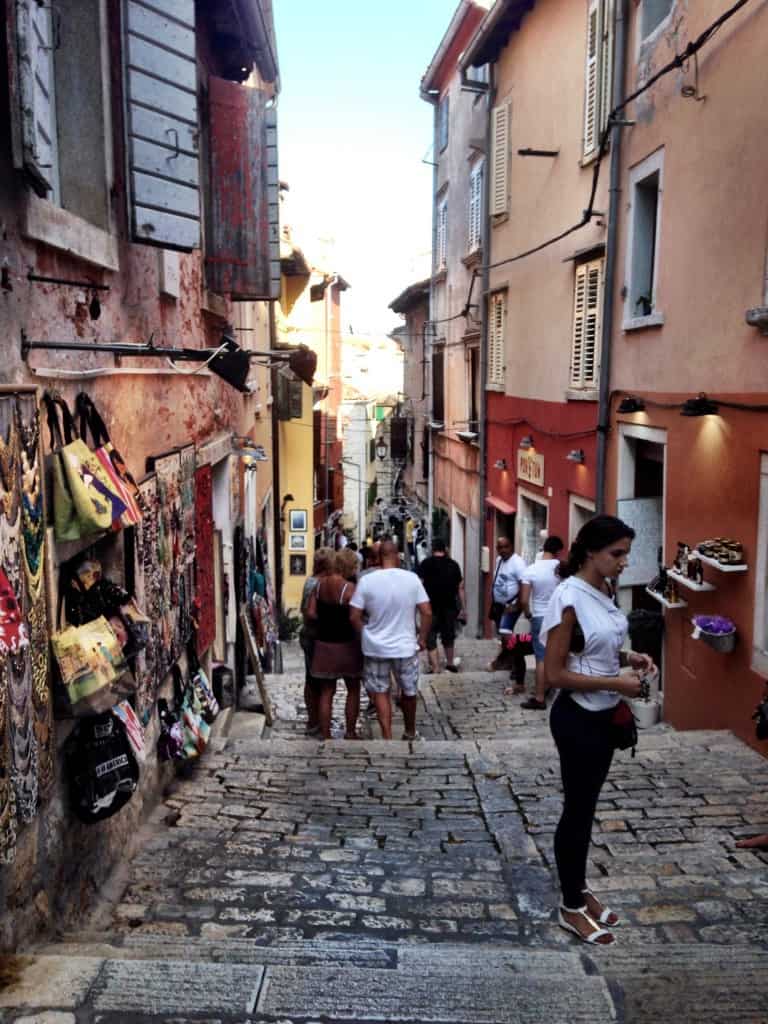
(51, 399)
(90, 419)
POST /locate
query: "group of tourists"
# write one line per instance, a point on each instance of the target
(370, 624)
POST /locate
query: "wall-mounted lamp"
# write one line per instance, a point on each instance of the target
(500, 464)
(526, 442)
(381, 450)
(699, 406)
(630, 404)
(575, 455)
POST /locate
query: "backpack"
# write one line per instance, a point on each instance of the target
(102, 769)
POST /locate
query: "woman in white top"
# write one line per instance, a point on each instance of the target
(583, 631)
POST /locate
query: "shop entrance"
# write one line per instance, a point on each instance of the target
(532, 516)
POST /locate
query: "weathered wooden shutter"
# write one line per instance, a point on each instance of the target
(36, 94)
(496, 340)
(585, 346)
(242, 247)
(499, 158)
(591, 80)
(162, 122)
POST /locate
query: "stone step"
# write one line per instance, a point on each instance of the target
(334, 982)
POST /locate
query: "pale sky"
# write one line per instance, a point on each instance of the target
(353, 132)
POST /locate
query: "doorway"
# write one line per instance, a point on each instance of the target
(532, 517)
(459, 539)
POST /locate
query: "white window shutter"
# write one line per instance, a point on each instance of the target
(162, 122)
(442, 234)
(592, 80)
(593, 302)
(500, 158)
(606, 62)
(496, 327)
(475, 207)
(35, 49)
(585, 347)
(577, 344)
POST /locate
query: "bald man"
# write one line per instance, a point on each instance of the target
(390, 598)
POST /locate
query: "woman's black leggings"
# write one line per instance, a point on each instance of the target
(584, 743)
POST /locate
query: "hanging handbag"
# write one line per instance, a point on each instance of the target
(133, 730)
(84, 499)
(92, 666)
(101, 767)
(623, 727)
(110, 458)
(170, 742)
(196, 730)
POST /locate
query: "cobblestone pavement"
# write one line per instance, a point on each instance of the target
(292, 880)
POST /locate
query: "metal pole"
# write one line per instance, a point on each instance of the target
(604, 406)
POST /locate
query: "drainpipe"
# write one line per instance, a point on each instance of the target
(429, 330)
(606, 339)
(486, 283)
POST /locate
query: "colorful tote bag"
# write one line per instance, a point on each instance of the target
(110, 458)
(84, 498)
(92, 665)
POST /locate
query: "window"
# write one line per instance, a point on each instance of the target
(63, 100)
(372, 450)
(438, 385)
(760, 634)
(499, 158)
(442, 123)
(475, 231)
(598, 73)
(645, 190)
(585, 345)
(441, 240)
(473, 389)
(496, 330)
(478, 74)
(652, 15)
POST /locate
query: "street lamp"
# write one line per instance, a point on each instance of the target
(381, 450)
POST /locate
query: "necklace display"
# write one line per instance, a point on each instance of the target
(7, 792)
(33, 550)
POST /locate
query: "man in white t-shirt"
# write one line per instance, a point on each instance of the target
(390, 598)
(539, 583)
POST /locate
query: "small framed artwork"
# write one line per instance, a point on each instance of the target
(297, 542)
(298, 565)
(298, 520)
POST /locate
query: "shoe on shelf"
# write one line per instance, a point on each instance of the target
(532, 704)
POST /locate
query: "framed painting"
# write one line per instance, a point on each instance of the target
(297, 542)
(297, 520)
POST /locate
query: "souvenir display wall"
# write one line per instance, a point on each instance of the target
(26, 734)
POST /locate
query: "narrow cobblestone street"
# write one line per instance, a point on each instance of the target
(291, 880)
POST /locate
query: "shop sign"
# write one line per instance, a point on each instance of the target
(530, 467)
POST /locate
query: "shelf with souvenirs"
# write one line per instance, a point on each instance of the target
(723, 553)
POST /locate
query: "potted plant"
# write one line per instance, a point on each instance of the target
(716, 630)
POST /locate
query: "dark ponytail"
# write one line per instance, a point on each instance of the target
(596, 534)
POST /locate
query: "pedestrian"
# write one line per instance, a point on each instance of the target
(373, 558)
(410, 544)
(538, 585)
(505, 609)
(353, 547)
(391, 597)
(337, 653)
(322, 565)
(444, 584)
(583, 631)
(421, 542)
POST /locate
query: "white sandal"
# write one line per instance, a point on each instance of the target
(607, 912)
(594, 937)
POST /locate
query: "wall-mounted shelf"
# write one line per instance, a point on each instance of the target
(690, 584)
(662, 600)
(719, 565)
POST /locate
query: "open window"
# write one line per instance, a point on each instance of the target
(641, 305)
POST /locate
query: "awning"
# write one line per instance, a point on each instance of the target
(501, 505)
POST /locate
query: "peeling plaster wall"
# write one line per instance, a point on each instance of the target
(61, 865)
